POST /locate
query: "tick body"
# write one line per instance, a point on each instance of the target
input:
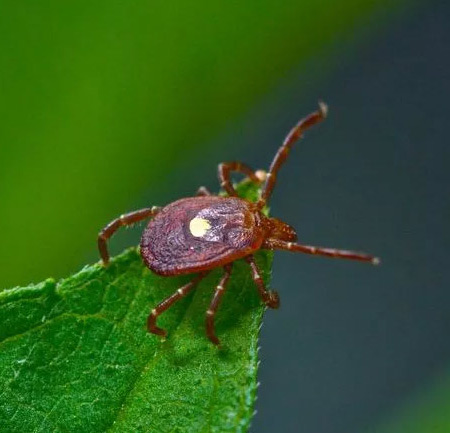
(198, 234)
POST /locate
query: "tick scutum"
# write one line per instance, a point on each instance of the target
(199, 233)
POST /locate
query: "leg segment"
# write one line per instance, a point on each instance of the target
(168, 302)
(282, 154)
(274, 244)
(202, 191)
(123, 220)
(224, 170)
(269, 297)
(210, 314)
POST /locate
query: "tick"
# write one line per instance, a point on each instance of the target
(201, 233)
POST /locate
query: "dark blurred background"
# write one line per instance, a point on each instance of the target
(109, 107)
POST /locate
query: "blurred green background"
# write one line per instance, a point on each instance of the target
(111, 106)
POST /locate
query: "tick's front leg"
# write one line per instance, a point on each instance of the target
(283, 152)
(275, 244)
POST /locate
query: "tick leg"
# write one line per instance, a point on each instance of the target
(224, 170)
(202, 191)
(269, 297)
(123, 220)
(168, 302)
(275, 244)
(210, 314)
(282, 154)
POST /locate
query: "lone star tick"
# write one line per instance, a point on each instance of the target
(198, 234)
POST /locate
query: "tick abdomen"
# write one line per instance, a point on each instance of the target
(200, 232)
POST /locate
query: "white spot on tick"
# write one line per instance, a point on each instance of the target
(199, 227)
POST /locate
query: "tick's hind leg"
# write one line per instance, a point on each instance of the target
(210, 314)
(168, 302)
(123, 220)
(269, 297)
(225, 169)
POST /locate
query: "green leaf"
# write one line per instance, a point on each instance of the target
(75, 356)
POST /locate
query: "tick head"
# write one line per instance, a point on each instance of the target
(278, 229)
